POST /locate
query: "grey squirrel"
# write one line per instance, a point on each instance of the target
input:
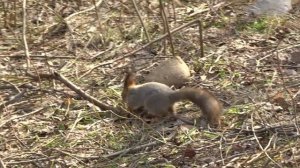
(158, 100)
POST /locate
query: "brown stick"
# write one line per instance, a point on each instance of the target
(26, 50)
(196, 21)
(77, 90)
(80, 92)
(141, 20)
(166, 24)
(201, 39)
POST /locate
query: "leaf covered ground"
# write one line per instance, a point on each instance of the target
(251, 64)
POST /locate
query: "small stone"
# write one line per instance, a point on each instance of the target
(270, 7)
(172, 72)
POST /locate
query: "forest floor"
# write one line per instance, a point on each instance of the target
(251, 64)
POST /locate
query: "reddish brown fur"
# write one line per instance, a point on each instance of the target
(208, 103)
(129, 81)
(162, 102)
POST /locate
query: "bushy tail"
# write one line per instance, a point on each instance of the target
(129, 81)
(208, 103)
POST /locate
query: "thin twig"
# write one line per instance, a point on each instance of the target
(215, 7)
(166, 24)
(12, 100)
(86, 96)
(174, 12)
(13, 85)
(94, 6)
(289, 66)
(77, 90)
(278, 50)
(258, 155)
(24, 36)
(2, 165)
(41, 56)
(72, 156)
(201, 39)
(259, 144)
(110, 47)
(78, 118)
(97, 13)
(164, 41)
(37, 164)
(133, 149)
(153, 41)
(39, 77)
(31, 161)
(22, 116)
(141, 48)
(141, 20)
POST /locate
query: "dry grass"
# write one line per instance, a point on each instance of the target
(247, 65)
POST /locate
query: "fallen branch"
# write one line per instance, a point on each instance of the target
(77, 90)
(80, 92)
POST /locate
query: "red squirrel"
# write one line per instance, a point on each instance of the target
(158, 100)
